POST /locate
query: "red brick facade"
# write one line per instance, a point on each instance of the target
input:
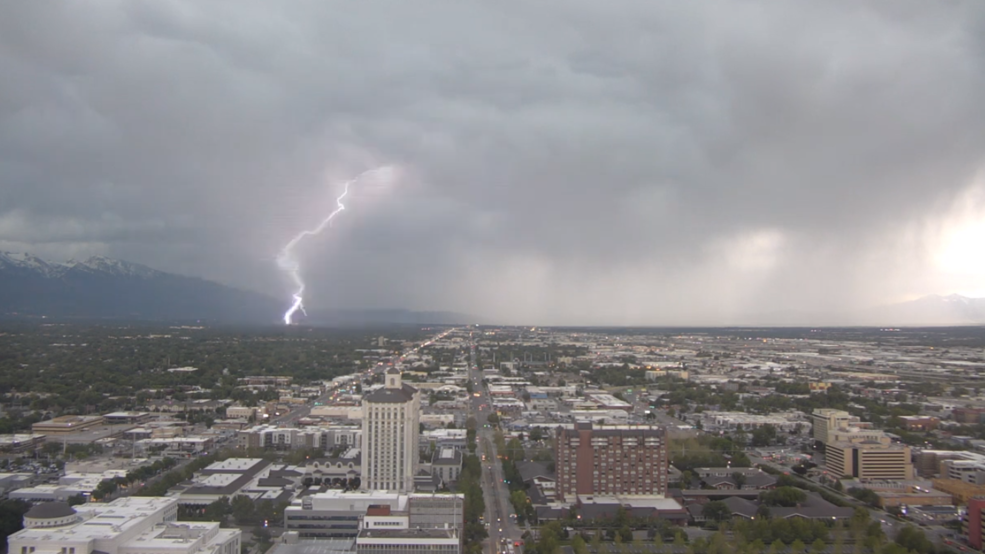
(610, 460)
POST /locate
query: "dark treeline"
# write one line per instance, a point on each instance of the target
(78, 369)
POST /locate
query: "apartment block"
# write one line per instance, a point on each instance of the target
(610, 460)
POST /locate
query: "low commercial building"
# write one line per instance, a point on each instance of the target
(20, 443)
(69, 485)
(335, 471)
(445, 438)
(224, 479)
(337, 514)
(352, 412)
(132, 418)
(888, 499)
(930, 463)
(784, 421)
(969, 471)
(145, 525)
(230, 424)
(49, 493)
(292, 438)
(661, 374)
(178, 445)
(66, 424)
(920, 423)
(607, 507)
(14, 481)
(609, 402)
(437, 420)
(408, 541)
(968, 415)
(240, 412)
(268, 380)
(446, 464)
(961, 492)
(731, 478)
(813, 507)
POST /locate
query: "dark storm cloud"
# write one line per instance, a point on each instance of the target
(561, 161)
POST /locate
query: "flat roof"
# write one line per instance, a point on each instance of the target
(105, 521)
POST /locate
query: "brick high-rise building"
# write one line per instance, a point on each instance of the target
(610, 460)
(973, 522)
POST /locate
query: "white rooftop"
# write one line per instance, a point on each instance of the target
(234, 464)
(636, 501)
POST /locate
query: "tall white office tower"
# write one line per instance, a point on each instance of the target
(391, 418)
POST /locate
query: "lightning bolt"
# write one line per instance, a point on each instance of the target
(289, 264)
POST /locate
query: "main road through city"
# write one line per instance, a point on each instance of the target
(503, 530)
(291, 418)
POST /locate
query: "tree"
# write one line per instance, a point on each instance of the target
(493, 419)
(716, 511)
(549, 542)
(739, 478)
(597, 541)
(911, 538)
(242, 509)
(514, 450)
(218, 510)
(578, 545)
(12, 516)
(763, 435)
(783, 496)
(818, 546)
(797, 547)
(763, 512)
(536, 434)
(868, 496)
(687, 478)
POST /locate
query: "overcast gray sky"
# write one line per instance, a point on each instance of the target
(557, 161)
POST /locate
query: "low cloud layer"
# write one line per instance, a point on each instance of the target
(563, 161)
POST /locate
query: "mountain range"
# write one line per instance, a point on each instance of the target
(928, 311)
(104, 288)
(934, 309)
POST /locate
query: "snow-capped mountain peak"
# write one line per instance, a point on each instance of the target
(110, 266)
(956, 299)
(30, 264)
